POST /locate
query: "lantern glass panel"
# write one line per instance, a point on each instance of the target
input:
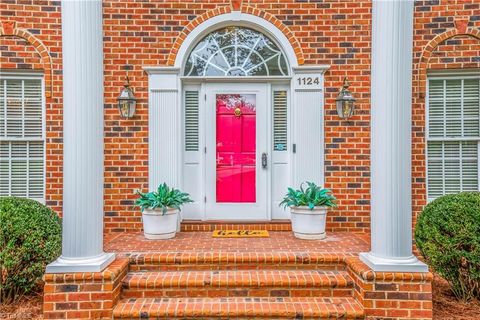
(126, 102)
(127, 108)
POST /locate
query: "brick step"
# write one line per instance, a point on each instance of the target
(273, 225)
(178, 261)
(238, 308)
(240, 283)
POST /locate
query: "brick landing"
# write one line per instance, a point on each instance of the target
(195, 276)
(335, 243)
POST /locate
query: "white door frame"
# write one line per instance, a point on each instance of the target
(237, 211)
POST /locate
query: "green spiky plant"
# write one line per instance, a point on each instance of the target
(311, 197)
(164, 197)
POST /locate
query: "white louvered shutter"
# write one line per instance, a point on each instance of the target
(280, 120)
(21, 138)
(191, 121)
(453, 136)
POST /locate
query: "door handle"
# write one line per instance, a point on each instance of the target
(264, 160)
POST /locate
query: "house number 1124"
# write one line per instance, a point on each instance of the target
(308, 81)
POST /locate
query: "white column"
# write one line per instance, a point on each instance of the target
(391, 99)
(82, 244)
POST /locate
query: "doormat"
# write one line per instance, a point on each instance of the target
(240, 234)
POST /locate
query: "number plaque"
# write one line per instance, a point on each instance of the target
(307, 81)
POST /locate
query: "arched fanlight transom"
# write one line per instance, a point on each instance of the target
(236, 51)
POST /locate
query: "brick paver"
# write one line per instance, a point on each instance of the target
(279, 241)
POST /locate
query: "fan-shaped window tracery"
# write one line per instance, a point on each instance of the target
(236, 51)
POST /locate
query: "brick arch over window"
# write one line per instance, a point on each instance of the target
(9, 28)
(460, 30)
(225, 10)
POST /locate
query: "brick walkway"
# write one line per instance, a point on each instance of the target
(279, 241)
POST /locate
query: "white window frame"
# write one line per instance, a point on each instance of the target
(447, 75)
(18, 75)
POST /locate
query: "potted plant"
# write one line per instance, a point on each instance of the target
(160, 211)
(309, 210)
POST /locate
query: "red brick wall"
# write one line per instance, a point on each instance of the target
(39, 48)
(142, 33)
(446, 36)
(334, 33)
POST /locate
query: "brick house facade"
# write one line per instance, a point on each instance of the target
(142, 38)
(139, 33)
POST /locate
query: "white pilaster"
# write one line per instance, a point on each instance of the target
(391, 98)
(164, 130)
(82, 243)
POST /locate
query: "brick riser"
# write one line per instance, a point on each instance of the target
(235, 261)
(218, 267)
(251, 292)
(258, 283)
(274, 225)
(239, 308)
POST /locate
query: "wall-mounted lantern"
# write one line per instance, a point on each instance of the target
(126, 101)
(345, 101)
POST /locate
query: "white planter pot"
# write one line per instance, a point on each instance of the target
(309, 224)
(157, 226)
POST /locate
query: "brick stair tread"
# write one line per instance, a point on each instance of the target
(237, 278)
(228, 308)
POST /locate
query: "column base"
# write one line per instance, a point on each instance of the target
(378, 264)
(91, 264)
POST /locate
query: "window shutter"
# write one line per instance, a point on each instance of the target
(32, 108)
(452, 167)
(2, 109)
(191, 121)
(14, 109)
(471, 107)
(22, 145)
(454, 108)
(436, 108)
(280, 120)
(454, 136)
(470, 166)
(4, 169)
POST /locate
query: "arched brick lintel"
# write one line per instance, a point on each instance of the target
(227, 9)
(430, 48)
(9, 28)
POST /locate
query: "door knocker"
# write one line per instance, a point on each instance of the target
(237, 112)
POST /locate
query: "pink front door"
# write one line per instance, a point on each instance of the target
(235, 148)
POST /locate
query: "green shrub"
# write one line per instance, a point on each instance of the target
(30, 238)
(448, 235)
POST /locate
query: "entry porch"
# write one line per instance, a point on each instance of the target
(196, 276)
